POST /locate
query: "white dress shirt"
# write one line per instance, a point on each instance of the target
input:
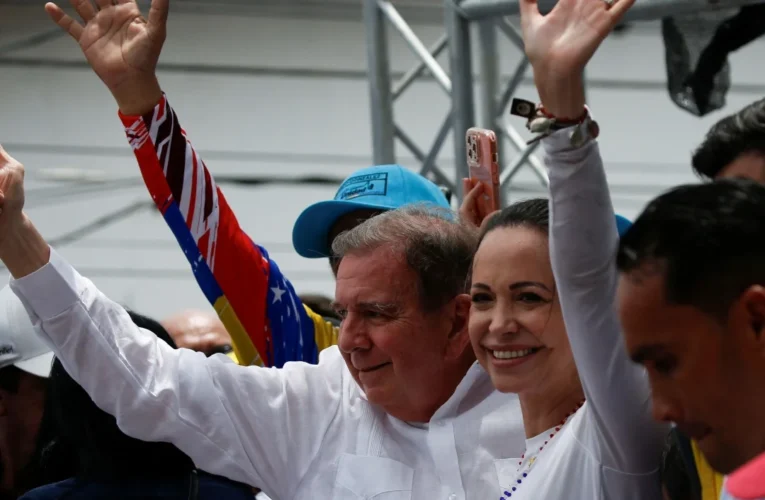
(300, 432)
(611, 448)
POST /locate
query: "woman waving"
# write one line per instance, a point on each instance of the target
(543, 321)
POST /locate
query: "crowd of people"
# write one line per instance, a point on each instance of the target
(549, 350)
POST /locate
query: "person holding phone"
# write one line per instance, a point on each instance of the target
(543, 322)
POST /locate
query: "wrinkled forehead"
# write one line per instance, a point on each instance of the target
(376, 275)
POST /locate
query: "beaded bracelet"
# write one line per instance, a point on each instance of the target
(543, 123)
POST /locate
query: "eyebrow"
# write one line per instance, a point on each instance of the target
(515, 286)
(650, 351)
(526, 284)
(383, 307)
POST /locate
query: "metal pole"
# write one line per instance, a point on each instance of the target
(488, 80)
(415, 44)
(422, 157)
(512, 33)
(643, 10)
(488, 73)
(381, 98)
(419, 69)
(463, 107)
(515, 81)
(518, 163)
(429, 163)
(536, 164)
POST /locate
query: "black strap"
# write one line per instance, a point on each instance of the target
(686, 453)
(193, 485)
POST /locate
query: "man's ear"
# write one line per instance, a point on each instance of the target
(751, 305)
(459, 340)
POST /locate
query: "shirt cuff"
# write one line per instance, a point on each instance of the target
(557, 146)
(51, 290)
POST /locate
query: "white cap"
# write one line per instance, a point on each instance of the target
(19, 344)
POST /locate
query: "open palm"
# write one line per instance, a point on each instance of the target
(566, 39)
(120, 45)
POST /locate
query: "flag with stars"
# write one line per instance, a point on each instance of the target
(292, 337)
(268, 323)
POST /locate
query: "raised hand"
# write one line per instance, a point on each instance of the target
(121, 46)
(560, 44)
(475, 208)
(11, 190)
(22, 249)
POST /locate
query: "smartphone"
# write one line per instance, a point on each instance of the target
(483, 162)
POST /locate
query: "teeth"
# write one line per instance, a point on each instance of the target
(511, 354)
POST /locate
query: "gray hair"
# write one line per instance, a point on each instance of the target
(436, 245)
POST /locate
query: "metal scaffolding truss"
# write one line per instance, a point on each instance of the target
(459, 83)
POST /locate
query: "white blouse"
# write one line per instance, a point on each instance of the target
(610, 449)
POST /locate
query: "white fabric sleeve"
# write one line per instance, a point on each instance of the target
(259, 426)
(583, 243)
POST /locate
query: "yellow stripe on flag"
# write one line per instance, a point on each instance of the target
(244, 349)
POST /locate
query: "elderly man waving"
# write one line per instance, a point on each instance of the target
(397, 410)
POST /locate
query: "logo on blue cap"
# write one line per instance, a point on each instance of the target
(363, 185)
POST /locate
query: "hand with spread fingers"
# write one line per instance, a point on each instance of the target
(121, 46)
(560, 44)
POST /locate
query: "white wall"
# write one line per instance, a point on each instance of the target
(297, 105)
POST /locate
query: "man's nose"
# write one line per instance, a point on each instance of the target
(353, 334)
(665, 409)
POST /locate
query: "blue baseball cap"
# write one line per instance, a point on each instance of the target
(622, 225)
(384, 187)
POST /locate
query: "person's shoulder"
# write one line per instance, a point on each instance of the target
(747, 482)
(215, 487)
(331, 369)
(51, 491)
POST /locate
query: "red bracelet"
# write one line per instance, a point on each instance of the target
(563, 121)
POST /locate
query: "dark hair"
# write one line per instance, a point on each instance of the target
(10, 378)
(707, 240)
(743, 132)
(103, 451)
(436, 246)
(533, 213)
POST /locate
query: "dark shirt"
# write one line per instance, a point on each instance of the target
(194, 486)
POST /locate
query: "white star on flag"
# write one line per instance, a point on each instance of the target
(278, 292)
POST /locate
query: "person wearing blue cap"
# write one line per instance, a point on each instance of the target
(365, 193)
(260, 309)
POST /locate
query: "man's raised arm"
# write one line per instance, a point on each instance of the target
(255, 425)
(236, 275)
